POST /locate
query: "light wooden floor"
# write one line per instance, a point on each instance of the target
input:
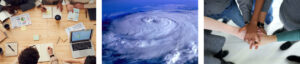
(49, 32)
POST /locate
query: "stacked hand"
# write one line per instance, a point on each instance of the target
(251, 36)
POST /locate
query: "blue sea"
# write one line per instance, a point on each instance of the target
(149, 32)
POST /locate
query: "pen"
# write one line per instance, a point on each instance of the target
(11, 48)
(86, 12)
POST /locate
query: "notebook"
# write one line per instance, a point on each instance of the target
(43, 51)
(4, 15)
(11, 49)
(51, 12)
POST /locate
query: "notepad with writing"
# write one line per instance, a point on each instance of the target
(11, 49)
(51, 12)
(43, 51)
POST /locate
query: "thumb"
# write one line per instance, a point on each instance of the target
(242, 29)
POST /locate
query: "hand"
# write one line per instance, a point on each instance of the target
(70, 7)
(79, 5)
(264, 39)
(251, 33)
(42, 7)
(9, 9)
(262, 30)
(59, 6)
(50, 51)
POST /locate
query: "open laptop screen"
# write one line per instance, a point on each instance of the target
(81, 35)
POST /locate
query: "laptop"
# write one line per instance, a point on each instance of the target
(81, 45)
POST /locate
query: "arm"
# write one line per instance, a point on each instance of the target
(212, 24)
(75, 60)
(289, 36)
(90, 5)
(29, 5)
(67, 1)
(251, 28)
(215, 25)
(264, 11)
(53, 60)
(69, 5)
(284, 36)
(59, 5)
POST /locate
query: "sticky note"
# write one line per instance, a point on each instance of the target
(36, 37)
(23, 28)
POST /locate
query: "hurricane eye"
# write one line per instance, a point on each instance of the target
(150, 20)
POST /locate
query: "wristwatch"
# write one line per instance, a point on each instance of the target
(51, 55)
(260, 25)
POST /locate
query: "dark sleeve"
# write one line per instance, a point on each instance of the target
(289, 36)
(29, 5)
(267, 5)
(1, 7)
(245, 7)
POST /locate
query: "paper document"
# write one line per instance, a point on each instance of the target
(43, 51)
(73, 15)
(75, 27)
(21, 20)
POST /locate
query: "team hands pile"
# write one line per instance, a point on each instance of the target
(255, 35)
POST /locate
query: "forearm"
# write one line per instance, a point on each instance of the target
(289, 36)
(90, 5)
(258, 7)
(215, 25)
(67, 1)
(54, 60)
(262, 17)
(74, 61)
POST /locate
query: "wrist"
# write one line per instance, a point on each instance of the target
(262, 17)
(273, 38)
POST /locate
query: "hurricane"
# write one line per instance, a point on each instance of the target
(152, 37)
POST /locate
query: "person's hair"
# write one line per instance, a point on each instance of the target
(14, 5)
(15, 2)
(90, 60)
(29, 55)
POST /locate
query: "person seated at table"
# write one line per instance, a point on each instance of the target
(24, 5)
(31, 55)
(80, 4)
(50, 2)
(86, 60)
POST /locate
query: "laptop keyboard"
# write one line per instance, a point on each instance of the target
(82, 46)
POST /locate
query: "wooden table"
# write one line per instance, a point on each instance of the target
(49, 31)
